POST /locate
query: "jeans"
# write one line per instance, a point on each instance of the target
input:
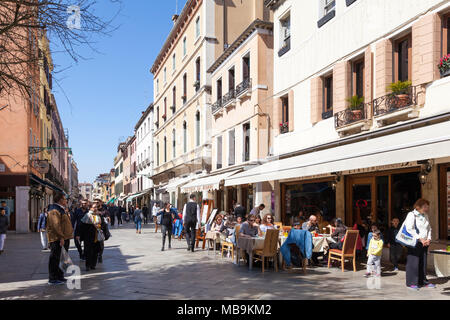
(395, 253)
(191, 234)
(166, 230)
(374, 261)
(2, 241)
(178, 226)
(44, 240)
(416, 265)
(79, 248)
(54, 272)
(138, 225)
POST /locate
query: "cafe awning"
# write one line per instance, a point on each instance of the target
(175, 184)
(207, 183)
(428, 142)
(111, 200)
(130, 198)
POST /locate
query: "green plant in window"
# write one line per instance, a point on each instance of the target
(399, 87)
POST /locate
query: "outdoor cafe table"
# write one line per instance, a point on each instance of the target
(441, 263)
(212, 236)
(249, 245)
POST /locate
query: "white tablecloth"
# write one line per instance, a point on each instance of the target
(321, 244)
(441, 264)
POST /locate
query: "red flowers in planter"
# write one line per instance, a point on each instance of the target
(444, 65)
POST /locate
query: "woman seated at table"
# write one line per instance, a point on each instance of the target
(249, 228)
(258, 220)
(338, 234)
(218, 224)
(267, 223)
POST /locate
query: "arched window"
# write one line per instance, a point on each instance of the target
(197, 128)
(185, 137)
(174, 144)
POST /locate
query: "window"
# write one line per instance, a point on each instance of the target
(197, 27)
(358, 78)
(246, 68)
(184, 88)
(145, 128)
(219, 89)
(174, 99)
(197, 128)
(157, 154)
(231, 80)
(165, 110)
(184, 46)
(284, 126)
(326, 11)
(165, 75)
(231, 148)
(446, 35)
(219, 152)
(165, 149)
(174, 62)
(174, 144)
(403, 58)
(157, 86)
(285, 35)
(157, 117)
(197, 74)
(184, 137)
(327, 111)
(149, 153)
(246, 155)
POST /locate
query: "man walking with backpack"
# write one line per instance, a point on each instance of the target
(191, 218)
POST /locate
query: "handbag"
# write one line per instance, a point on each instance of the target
(405, 238)
(64, 261)
(100, 235)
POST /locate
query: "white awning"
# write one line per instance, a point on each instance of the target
(207, 183)
(175, 184)
(429, 142)
(130, 198)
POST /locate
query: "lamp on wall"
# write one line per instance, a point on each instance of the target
(426, 170)
(337, 179)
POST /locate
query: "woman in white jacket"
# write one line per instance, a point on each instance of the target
(418, 224)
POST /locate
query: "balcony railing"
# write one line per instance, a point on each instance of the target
(230, 96)
(395, 102)
(243, 87)
(217, 106)
(286, 46)
(350, 116)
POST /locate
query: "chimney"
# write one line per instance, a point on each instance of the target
(175, 18)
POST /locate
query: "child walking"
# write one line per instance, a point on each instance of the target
(374, 253)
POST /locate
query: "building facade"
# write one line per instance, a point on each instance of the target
(119, 175)
(86, 191)
(363, 111)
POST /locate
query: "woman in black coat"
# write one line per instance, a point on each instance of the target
(89, 233)
(167, 220)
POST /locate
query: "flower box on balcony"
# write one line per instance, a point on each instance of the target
(444, 66)
(284, 127)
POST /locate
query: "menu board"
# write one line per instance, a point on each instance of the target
(205, 213)
(212, 216)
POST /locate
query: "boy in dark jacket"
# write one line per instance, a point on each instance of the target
(395, 249)
(3, 228)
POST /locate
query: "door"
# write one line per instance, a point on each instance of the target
(361, 200)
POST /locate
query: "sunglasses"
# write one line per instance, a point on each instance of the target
(251, 220)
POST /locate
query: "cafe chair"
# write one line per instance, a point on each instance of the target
(348, 250)
(279, 225)
(286, 229)
(201, 236)
(228, 247)
(270, 250)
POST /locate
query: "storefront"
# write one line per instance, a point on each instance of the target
(444, 202)
(305, 198)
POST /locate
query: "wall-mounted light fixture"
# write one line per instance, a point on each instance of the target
(427, 166)
(337, 179)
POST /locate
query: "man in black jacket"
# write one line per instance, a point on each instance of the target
(240, 211)
(76, 223)
(395, 248)
(191, 219)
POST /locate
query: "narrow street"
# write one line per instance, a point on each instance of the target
(134, 268)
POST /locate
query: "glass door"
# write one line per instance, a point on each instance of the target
(362, 200)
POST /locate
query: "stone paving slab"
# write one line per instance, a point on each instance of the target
(134, 268)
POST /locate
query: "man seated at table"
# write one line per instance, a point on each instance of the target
(249, 228)
(311, 225)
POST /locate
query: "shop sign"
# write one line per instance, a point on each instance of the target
(383, 168)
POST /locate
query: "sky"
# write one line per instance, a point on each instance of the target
(110, 89)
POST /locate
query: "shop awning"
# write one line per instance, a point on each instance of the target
(175, 184)
(207, 183)
(429, 142)
(38, 180)
(130, 198)
(111, 201)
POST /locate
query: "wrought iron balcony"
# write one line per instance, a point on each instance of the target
(395, 102)
(350, 116)
(229, 97)
(216, 107)
(243, 87)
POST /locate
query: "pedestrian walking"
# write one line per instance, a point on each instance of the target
(59, 233)
(112, 214)
(103, 213)
(76, 223)
(167, 218)
(145, 212)
(191, 218)
(374, 252)
(118, 211)
(418, 225)
(92, 235)
(3, 228)
(7, 210)
(138, 217)
(42, 222)
(156, 210)
(395, 248)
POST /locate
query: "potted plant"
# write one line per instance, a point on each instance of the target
(197, 84)
(284, 127)
(400, 90)
(355, 108)
(444, 66)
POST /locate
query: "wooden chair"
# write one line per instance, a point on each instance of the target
(201, 236)
(286, 229)
(348, 250)
(227, 247)
(270, 250)
(279, 225)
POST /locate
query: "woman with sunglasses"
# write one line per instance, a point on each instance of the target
(267, 223)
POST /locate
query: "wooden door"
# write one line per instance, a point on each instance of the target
(361, 200)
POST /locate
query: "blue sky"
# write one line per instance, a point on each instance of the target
(109, 91)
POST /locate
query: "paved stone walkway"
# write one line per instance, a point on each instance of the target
(135, 268)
